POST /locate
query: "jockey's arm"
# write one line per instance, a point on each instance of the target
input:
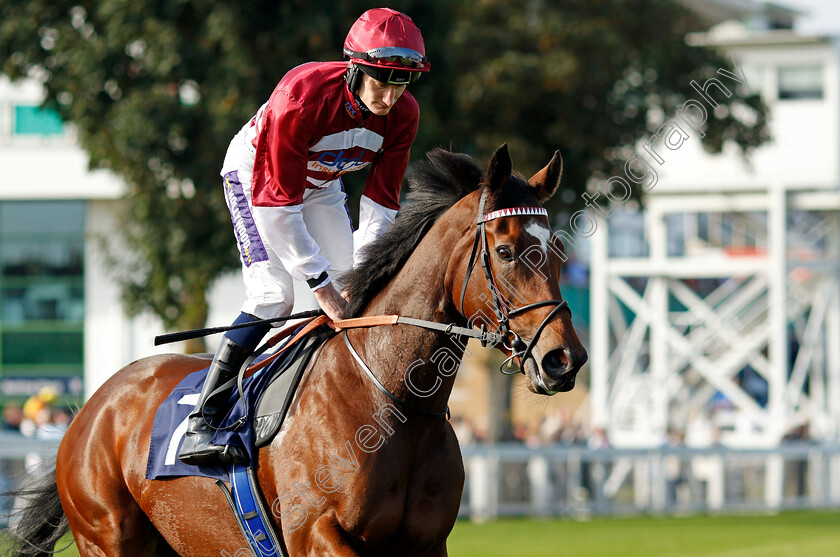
(374, 220)
(300, 254)
(381, 198)
(278, 200)
(331, 301)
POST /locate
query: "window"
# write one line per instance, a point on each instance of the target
(41, 297)
(801, 82)
(32, 120)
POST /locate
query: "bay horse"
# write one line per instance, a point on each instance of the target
(365, 463)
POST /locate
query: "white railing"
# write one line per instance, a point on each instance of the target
(516, 480)
(21, 457)
(16, 446)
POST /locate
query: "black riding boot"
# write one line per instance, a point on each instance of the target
(208, 413)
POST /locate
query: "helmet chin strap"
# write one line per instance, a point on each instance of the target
(362, 106)
(353, 77)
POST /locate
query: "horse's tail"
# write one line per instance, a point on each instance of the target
(36, 527)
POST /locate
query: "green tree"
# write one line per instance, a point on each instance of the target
(156, 88)
(588, 77)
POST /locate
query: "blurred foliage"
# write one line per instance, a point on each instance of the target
(588, 77)
(156, 89)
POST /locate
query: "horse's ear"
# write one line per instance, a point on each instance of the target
(546, 180)
(500, 169)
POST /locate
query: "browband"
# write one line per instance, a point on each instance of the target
(515, 211)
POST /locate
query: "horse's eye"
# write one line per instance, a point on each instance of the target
(504, 253)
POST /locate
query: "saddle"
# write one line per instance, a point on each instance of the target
(273, 402)
(257, 407)
(267, 385)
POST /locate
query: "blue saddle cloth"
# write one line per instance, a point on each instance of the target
(170, 425)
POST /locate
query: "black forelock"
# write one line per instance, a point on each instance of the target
(515, 192)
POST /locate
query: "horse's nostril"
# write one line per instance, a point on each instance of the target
(580, 358)
(556, 360)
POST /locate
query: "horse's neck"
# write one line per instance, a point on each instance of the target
(420, 290)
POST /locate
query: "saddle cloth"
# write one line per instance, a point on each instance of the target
(267, 396)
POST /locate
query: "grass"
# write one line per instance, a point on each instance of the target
(66, 551)
(792, 534)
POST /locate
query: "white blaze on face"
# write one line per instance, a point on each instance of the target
(541, 233)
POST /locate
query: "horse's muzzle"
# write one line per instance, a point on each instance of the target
(560, 367)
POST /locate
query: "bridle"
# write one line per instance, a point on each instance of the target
(502, 308)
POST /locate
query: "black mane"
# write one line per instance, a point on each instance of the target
(435, 185)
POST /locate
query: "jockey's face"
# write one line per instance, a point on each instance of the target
(379, 97)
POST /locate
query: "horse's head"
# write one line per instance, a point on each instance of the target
(511, 282)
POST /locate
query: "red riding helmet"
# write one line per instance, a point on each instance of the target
(386, 45)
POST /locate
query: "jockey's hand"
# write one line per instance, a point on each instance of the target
(331, 301)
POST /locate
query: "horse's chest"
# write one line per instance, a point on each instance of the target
(386, 485)
(417, 498)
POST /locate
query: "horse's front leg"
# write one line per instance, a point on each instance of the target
(326, 538)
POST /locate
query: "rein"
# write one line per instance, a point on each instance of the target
(364, 322)
(501, 307)
(386, 392)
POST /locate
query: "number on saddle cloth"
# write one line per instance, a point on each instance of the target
(268, 394)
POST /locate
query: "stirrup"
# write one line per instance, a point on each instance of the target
(208, 415)
(204, 453)
(232, 455)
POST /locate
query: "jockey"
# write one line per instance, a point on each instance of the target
(282, 180)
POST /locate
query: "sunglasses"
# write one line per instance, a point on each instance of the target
(393, 55)
(390, 76)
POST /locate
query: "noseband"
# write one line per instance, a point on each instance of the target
(501, 307)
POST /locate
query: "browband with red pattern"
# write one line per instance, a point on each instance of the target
(515, 211)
